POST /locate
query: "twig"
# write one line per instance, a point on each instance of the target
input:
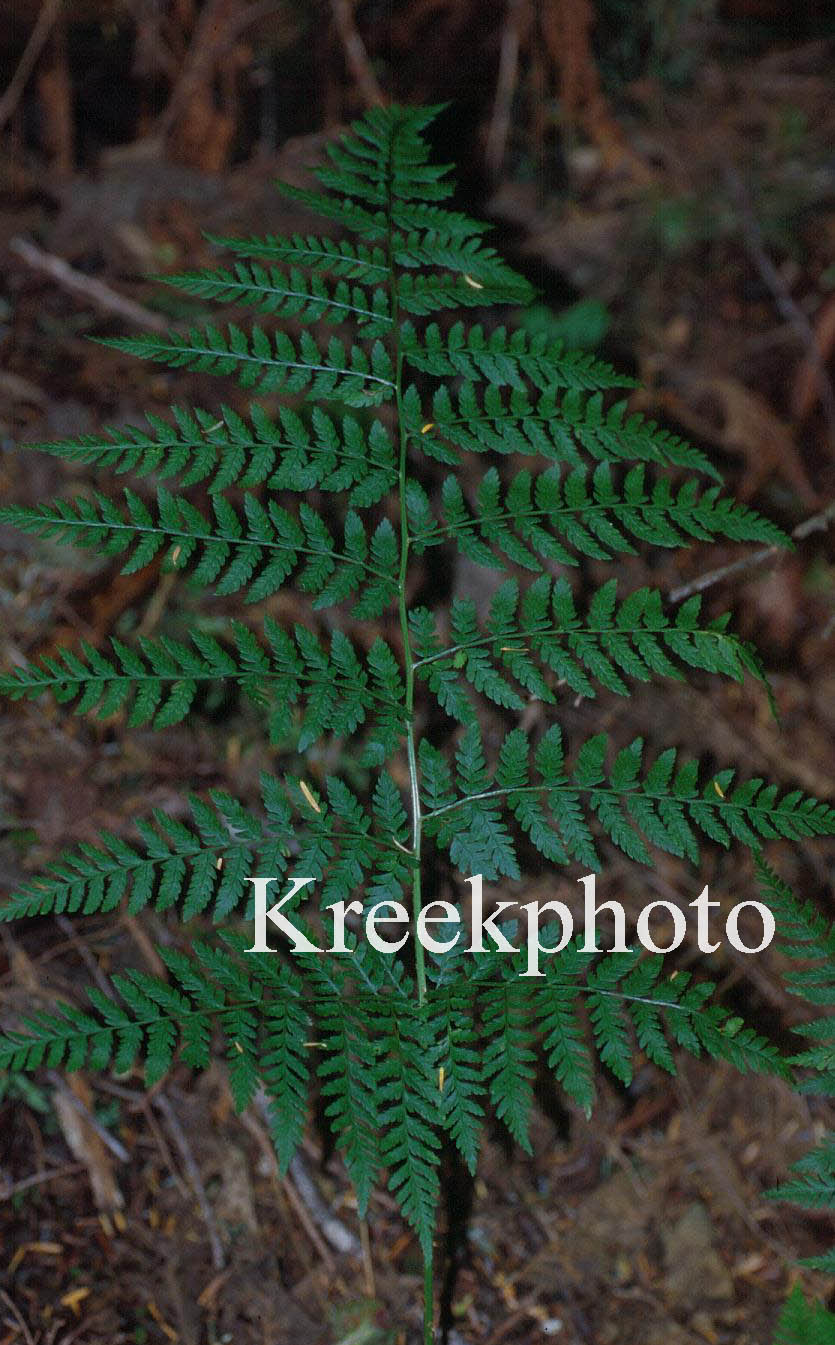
(15, 1311)
(356, 55)
(179, 1138)
(817, 523)
(505, 88)
(510, 1323)
(305, 1219)
(141, 1102)
(85, 954)
(109, 1141)
(265, 1144)
(332, 1229)
(37, 41)
(38, 1179)
(145, 946)
(87, 287)
(787, 307)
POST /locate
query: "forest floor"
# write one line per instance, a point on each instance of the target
(645, 1225)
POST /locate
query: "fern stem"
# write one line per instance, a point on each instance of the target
(67, 521)
(564, 632)
(428, 1298)
(504, 791)
(403, 612)
(409, 674)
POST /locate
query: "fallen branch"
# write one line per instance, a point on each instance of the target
(37, 41)
(505, 87)
(356, 55)
(12, 1189)
(817, 523)
(218, 27)
(87, 287)
(333, 1230)
(87, 1139)
(17, 1322)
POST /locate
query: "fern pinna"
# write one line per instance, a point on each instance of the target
(808, 939)
(340, 490)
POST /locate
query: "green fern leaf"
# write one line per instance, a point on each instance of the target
(273, 364)
(803, 1323)
(550, 517)
(508, 1057)
(407, 1093)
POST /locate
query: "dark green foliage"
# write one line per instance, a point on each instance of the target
(328, 485)
(521, 640)
(808, 940)
(226, 449)
(338, 688)
(803, 1323)
(664, 803)
(558, 518)
(812, 1186)
(273, 363)
(395, 1072)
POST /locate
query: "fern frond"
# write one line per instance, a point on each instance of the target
(407, 1092)
(348, 1072)
(522, 639)
(385, 153)
(269, 363)
(484, 273)
(206, 863)
(381, 177)
(151, 1018)
(282, 1062)
(470, 259)
(255, 553)
(813, 1185)
(663, 806)
(557, 517)
(563, 428)
(459, 1075)
(808, 938)
(339, 257)
(504, 360)
(289, 295)
(804, 1323)
(402, 1055)
(158, 681)
(293, 295)
(626, 1000)
(226, 450)
(508, 1059)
